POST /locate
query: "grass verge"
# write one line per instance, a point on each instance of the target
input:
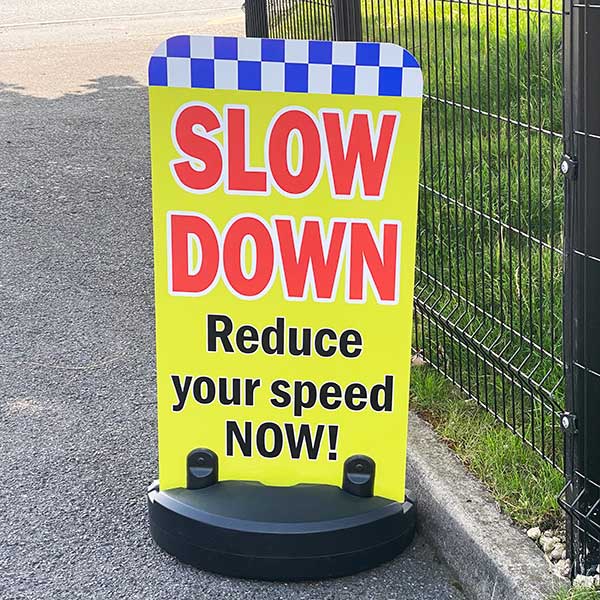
(577, 594)
(524, 485)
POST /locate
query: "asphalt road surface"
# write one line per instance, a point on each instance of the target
(77, 392)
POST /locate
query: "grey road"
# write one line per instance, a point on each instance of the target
(77, 393)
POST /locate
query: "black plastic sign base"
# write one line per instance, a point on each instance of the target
(246, 529)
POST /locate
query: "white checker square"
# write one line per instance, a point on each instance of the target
(226, 74)
(391, 55)
(319, 79)
(179, 72)
(344, 53)
(296, 51)
(249, 49)
(161, 50)
(202, 47)
(273, 77)
(367, 81)
(412, 82)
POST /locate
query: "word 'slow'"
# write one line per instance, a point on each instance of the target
(357, 152)
(249, 253)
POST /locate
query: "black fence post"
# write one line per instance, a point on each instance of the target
(347, 20)
(257, 20)
(581, 167)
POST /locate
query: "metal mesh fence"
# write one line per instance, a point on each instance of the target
(488, 297)
(489, 259)
(499, 76)
(310, 19)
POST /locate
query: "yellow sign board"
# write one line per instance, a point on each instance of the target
(285, 179)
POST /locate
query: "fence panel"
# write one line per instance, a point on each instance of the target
(489, 276)
(490, 255)
(301, 19)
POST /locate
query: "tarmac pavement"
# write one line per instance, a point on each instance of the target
(77, 390)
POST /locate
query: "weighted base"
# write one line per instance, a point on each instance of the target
(246, 529)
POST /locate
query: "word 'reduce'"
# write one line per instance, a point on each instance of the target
(278, 339)
(354, 153)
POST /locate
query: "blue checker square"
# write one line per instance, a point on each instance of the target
(296, 77)
(320, 52)
(367, 54)
(249, 77)
(390, 81)
(408, 60)
(272, 50)
(203, 73)
(226, 48)
(343, 79)
(179, 46)
(157, 71)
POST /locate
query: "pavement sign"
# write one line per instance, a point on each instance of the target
(285, 183)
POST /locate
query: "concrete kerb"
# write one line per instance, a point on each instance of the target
(491, 558)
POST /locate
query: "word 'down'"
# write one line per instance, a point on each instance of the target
(250, 253)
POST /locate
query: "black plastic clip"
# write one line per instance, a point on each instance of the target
(202, 468)
(568, 167)
(359, 476)
(568, 423)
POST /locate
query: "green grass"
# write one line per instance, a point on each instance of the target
(577, 594)
(489, 263)
(489, 268)
(524, 485)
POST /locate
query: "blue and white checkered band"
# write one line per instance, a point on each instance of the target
(314, 67)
